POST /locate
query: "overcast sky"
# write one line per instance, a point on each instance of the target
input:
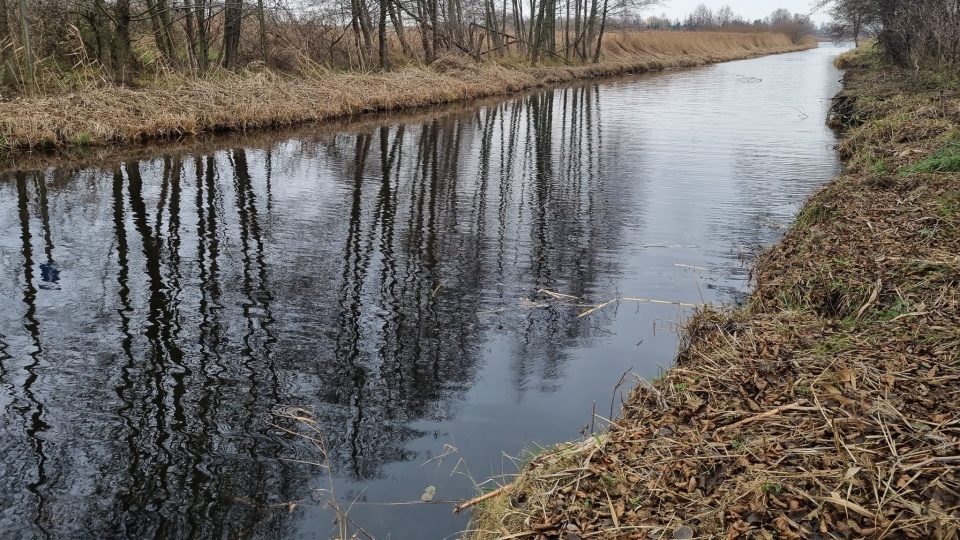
(748, 9)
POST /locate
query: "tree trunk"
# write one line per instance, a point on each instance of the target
(231, 33)
(590, 24)
(603, 26)
(435, 26)
(429, 54)
(31, 83)
(203, 35)
(166, 27)
(360, 22)
(576, 26)
(382, 37)
(103, 32)
(537, 32)
(157, 29)
(122, 56)
(263, 29)
(8, 74)
(519, 29)
(397, 21)
(490, 20)
(190, 29)
(366, 27)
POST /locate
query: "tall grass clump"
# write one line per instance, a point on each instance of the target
(944, 160)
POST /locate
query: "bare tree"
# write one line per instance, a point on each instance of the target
(27, 49)
(779, 16)
(725, 16)
(232, 25)
(852, 17)
(701, 17)
(122, 49)
(911, 32)
(8, 74)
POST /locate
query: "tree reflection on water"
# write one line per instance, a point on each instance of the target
(360, 275)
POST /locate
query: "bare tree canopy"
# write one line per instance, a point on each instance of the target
(124, 40)
(911, 32)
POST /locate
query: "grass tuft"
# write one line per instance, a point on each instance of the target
(946, 159)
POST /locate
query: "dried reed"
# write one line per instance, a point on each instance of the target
(173, 106)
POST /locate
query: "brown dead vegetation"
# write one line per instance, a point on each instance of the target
(175, 107)
(828, 406)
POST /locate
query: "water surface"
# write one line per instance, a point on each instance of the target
(416, 283)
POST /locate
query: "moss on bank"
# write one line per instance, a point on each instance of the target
(173, 108)
(829, 405)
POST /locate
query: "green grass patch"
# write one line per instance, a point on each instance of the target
(880, 166)
(899, 307)
(948, 206)
(738, 442)
(864, 56)
(946, 159)
(81, 139)
(813, 213)
(834, 344)
(773, 487)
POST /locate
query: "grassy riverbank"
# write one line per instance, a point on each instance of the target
(829, 405)
(172, 107)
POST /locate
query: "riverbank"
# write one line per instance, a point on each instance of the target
(827, 406)
(174, 107)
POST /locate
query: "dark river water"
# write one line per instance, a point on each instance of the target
(414, 283)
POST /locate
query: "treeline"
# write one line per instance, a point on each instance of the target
(55, 43)
(911, 32)
(705, 18)
(795, 25)
(120, 37)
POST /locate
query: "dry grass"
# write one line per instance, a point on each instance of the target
(697, 47)
(173, 107)
(828, 406)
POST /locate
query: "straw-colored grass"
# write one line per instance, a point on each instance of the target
(173, 107)
(828, 406)
(698, 47)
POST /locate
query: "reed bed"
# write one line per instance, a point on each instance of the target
(703, 47)
(173, 107)
(828, 406)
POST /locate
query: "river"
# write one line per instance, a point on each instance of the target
(420, 287)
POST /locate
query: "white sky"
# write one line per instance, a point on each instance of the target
(748, 9)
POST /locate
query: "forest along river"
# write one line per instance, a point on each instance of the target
(389, 278)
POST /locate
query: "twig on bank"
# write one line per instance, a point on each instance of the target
(772, 412)
(477, 500)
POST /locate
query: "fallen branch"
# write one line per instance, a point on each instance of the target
(649, 301)
(595, 308)
(772, 412)
(480, 499)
